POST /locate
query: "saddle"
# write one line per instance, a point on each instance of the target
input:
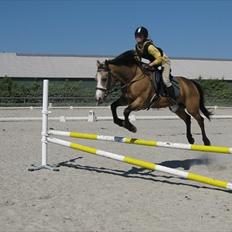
(159, 85)
(157, 80)
(160, 88)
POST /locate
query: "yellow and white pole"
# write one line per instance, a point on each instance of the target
(193, 147)
(143, 164)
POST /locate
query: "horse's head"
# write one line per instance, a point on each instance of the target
(122, 68)
(104, 81)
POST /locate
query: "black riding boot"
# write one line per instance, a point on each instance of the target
(171, 93)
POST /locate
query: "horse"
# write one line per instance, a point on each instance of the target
(137, 90)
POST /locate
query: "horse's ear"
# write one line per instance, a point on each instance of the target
(107, 64)
(98, 63)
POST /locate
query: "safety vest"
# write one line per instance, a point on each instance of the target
(142, 51)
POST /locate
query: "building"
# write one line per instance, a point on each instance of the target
(31, 66)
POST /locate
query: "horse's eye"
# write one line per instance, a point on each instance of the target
(104, 79)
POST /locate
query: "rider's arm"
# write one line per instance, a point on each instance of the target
(152, 50)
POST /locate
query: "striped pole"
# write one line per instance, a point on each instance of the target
(153, 143)
(143, 164)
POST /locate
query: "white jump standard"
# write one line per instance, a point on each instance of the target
(126, 159)
(44, 133)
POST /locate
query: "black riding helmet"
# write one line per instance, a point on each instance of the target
(141, 31)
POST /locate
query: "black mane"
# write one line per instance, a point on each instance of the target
(126, 58)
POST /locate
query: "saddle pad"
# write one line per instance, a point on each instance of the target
(160, 86)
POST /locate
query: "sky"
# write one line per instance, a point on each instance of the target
(182, 28)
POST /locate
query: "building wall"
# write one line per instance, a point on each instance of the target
(84, 67)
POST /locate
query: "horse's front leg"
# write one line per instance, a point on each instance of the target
(119, 102)
(134, 106)
(127, 124)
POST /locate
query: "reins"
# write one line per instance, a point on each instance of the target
(108, 89)
(142, 76)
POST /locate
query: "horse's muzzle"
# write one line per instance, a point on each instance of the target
(99, 101)
(101, 94)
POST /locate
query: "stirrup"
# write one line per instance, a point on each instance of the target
(155, 98)
(174, 108)
(173, 100)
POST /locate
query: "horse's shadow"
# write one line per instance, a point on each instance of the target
(142, 173)
(185, 164)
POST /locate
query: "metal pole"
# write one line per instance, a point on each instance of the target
(44, 123)
(44, 132)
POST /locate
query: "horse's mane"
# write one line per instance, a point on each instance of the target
(127, 58)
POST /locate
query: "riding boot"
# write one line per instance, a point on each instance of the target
(171, 93)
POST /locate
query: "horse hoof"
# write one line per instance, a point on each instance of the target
(134, 130)
(191, 140)
(207, 142)
(131, 128)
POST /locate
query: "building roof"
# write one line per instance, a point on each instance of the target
(19, 65)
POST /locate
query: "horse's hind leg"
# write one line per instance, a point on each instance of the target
(193, 107)
(200, 121)
(187, 119)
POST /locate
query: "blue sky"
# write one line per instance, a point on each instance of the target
(200, 28)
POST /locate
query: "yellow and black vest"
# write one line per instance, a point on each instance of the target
(142, 50)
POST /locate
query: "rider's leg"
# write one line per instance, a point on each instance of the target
(156, 96)
(171, 93)
(166, 78)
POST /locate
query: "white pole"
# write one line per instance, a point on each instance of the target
(44, 132)
(44, 122)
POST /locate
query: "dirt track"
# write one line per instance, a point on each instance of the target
(96, 194)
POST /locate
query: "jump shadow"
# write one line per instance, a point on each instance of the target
(138, 173)
(185, 164)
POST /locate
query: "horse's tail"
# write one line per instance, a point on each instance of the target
(203, 109)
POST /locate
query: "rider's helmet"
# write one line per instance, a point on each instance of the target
(141, 31)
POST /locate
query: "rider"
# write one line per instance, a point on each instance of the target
(145, 48)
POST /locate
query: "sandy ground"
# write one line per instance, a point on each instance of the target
(97, 194)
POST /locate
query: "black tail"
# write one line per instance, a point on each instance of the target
(206, 112)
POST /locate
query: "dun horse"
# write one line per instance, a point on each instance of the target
(137, 91)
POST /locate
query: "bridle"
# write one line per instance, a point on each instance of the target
(104, 67)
